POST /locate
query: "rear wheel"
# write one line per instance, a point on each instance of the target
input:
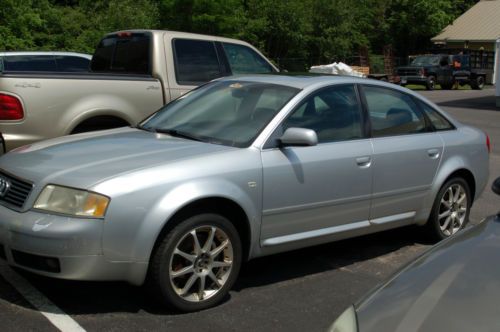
(99, 123)
(450, 212)
(478, 83)
(196, 263)
(431, 83)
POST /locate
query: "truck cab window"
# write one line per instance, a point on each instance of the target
(244, 60)
(196, 61)
(127, 53)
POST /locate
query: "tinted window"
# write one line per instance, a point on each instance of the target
(196, 61)
(30, 63)
(72, 63)
(128, 53)
(438, 121)
(392, 112)
(244, 60)
(334, 114)
(230, 113)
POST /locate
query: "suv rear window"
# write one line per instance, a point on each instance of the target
(67, 63)
(29, 63)
(123, 53)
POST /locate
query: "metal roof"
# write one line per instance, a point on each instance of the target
(480, 23)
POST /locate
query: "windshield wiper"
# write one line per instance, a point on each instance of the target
(177, 133)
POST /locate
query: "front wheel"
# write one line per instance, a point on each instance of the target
(431, 83)
(196, 263)
(450, 212)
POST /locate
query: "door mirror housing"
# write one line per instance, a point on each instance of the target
(496, 186)
(299, 137)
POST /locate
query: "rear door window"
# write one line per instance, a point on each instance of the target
(196, 61)
(438, 121)
(393, 113)
(123, 53)
(30, 63)
(244, 60)
(67, 63)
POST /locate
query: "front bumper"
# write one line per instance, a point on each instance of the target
(413, 80)
(61, 247)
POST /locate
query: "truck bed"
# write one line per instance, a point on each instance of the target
(55, 103)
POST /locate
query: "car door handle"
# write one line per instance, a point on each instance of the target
(433, 153)
(364, 162)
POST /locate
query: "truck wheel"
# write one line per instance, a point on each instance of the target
(431, 83)
(450, 212)
(196, 263)
(478, 83)
(99, 123)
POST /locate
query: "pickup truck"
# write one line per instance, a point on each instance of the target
(132, 74)
(442, 69)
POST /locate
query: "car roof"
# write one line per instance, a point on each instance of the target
(17, 53)
(304, 81)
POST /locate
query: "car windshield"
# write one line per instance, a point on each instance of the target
(427, 60)
(230, 112)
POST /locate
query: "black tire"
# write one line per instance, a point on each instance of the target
(478, 83)
(431, 83)
(433, 225)
(159, 278)
(99, 123)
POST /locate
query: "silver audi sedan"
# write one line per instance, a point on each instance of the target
(239, 168)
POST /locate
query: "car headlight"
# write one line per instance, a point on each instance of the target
(75, 202)
(347, 322)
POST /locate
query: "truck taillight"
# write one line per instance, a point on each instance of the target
(124, 34)
(10, 108)
(488, 143)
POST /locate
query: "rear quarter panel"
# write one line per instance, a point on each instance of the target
(464, 148)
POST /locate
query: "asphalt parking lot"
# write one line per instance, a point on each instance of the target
(304, 290)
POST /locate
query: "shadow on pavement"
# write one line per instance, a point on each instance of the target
(486, 103)
(82, 298)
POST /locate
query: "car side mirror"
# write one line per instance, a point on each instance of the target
(299, 137)
(496, 186)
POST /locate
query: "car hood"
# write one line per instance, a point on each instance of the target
(86, 159)
(453, 287)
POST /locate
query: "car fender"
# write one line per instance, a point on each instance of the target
(138, 242)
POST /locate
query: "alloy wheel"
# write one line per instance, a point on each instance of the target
(201, 263)
(453, 209)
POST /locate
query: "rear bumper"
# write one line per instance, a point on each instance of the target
(12, 141)
(2, 145)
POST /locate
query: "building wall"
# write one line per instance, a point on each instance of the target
(487, 46)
